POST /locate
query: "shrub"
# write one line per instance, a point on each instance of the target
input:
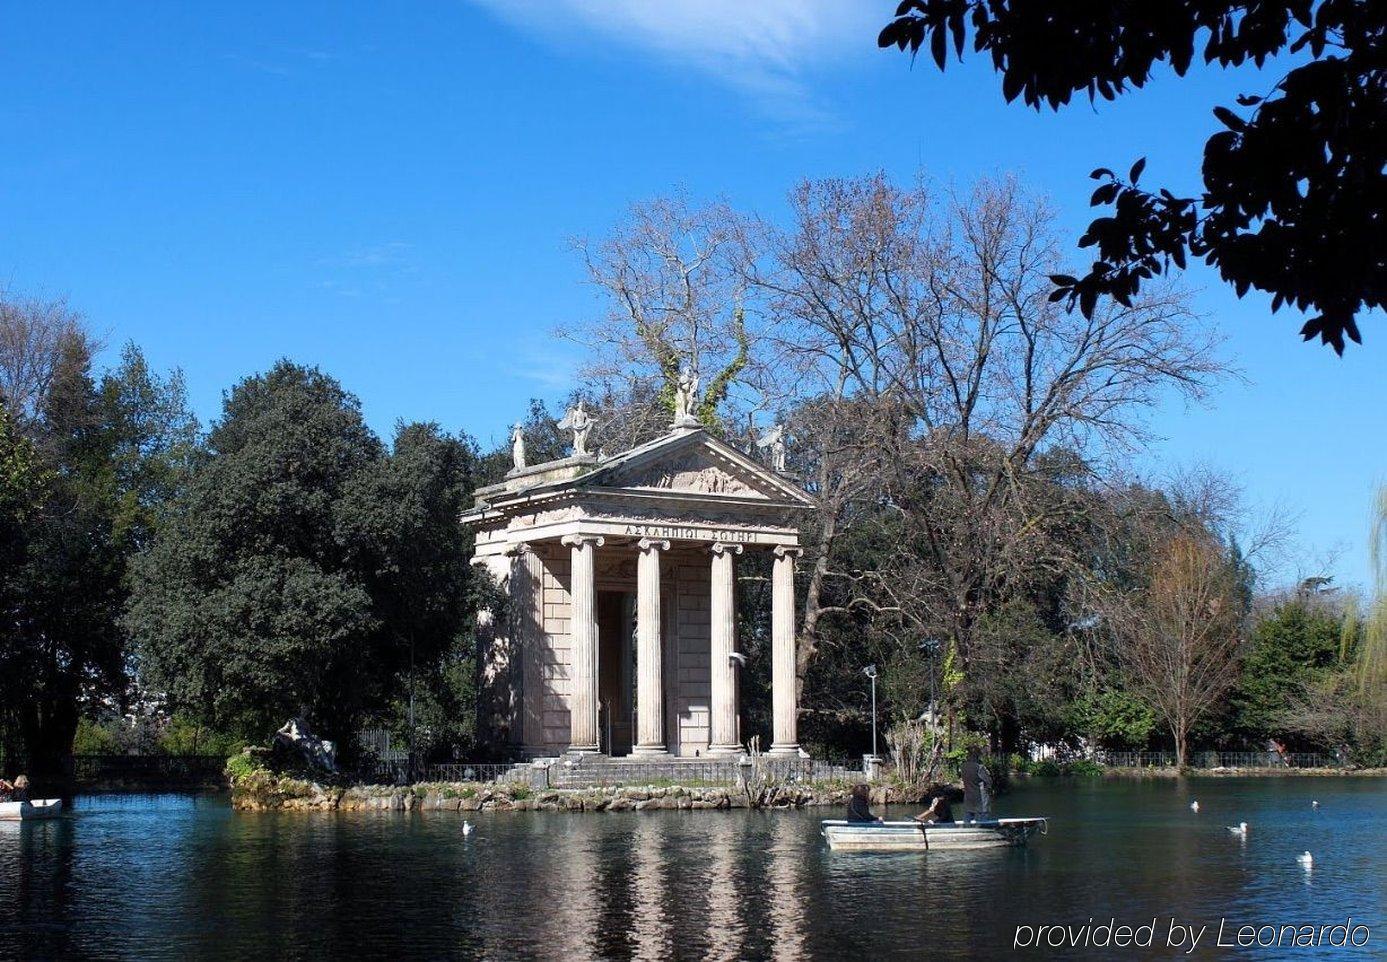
(183, 736)
(1079, 767)
(243, 766)
(93, 738)
(1084, 768)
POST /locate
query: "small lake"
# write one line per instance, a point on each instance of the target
(178, 877)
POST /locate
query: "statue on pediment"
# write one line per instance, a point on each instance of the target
(685, 397)
(579, 422)
(517, 446)
(772, 444)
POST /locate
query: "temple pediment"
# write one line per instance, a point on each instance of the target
(692, 471)
(696, 464)
(682, 464)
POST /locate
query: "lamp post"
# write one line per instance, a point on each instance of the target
(871, 672)
(931, 646)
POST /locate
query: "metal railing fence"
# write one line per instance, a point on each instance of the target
(719, 772)
(1218, 760)
(153, 769)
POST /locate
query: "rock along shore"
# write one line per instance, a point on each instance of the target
(263, 791)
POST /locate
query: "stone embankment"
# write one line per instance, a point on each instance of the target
(263, 791)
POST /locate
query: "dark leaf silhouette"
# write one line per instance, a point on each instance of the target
(1294, 194)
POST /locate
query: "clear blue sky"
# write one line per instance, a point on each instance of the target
(388, 190)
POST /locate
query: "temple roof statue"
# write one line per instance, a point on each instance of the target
(773, 442)
(580, 423)
(685, 397)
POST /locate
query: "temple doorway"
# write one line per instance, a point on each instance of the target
(616, 674)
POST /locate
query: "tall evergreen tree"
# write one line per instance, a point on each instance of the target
(303, 565)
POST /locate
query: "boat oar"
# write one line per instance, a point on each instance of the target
(923, 832)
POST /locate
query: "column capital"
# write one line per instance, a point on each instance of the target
(578, 540)
(788, 551)
(719, 547)
(658, 544)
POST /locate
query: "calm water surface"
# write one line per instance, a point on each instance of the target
(174, 877)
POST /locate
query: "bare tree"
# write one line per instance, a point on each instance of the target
(938, 310)
(927, 382)
(675, 298)
(37, 338)
(1178, 635)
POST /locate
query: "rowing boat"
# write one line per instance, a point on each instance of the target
(25, 811)
(913, 836)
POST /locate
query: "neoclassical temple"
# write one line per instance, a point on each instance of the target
(620, 636)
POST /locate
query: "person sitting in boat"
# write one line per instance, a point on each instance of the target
(20, 792)
(6, 790)
(939, 810)
(977, 787)
(858, 810)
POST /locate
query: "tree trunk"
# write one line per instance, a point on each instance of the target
(47, 728)
(813, 595)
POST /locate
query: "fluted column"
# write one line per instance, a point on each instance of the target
(784, 705)
(722, 735)
(527, 598)
(583, 625)
(650, 671)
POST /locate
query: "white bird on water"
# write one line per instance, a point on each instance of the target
(1315, 803)
(1194, 806)
(467, 828)
(1239, 829)
(1306, 859)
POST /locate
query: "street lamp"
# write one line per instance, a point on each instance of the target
(871, 672)
(931, 646)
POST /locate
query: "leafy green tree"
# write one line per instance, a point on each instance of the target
(99, 452)
(303, 565)
(1114, 719)
(1291, 650)
(22, 483)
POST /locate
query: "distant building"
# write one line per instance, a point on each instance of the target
(620, 636)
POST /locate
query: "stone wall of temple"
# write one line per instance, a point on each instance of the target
(690, 695)
(540, 584)
(556, 652)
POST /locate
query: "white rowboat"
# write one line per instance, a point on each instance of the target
(24, 811)
(913, 836)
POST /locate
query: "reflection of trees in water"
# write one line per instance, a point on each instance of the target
(36, 865)
(273, 881)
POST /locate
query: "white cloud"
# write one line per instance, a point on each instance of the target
(547, 365)
(762, 48)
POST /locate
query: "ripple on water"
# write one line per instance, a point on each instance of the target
(184, 877)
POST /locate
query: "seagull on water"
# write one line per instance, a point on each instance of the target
(1306, 859)
(1239, 829)
(467, 828)
(1194, 806)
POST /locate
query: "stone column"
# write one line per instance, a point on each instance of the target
(583, 612)
(722, 734)
(527, 600)
(650, 671)
(785, 709)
